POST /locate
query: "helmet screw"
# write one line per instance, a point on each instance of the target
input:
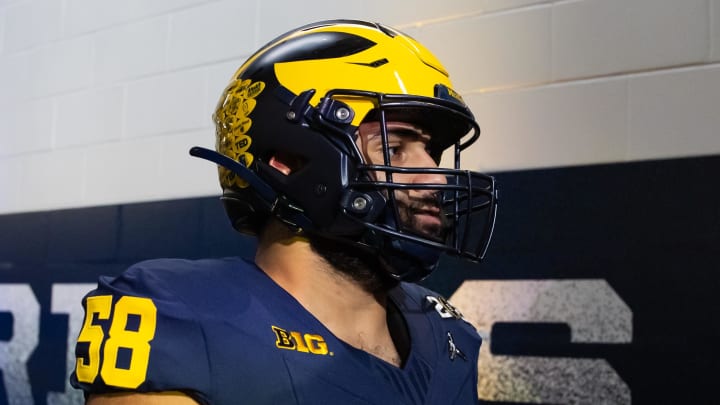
(359, 204)
(290, 115)
(320, 189)
(342, 113)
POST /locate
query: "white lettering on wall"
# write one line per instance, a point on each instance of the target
(20, 302)
(66, 299)
(594, 313)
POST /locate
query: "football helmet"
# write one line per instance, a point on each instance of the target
(303, 96)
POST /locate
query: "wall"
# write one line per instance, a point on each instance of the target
(88, 85)
(599, 118)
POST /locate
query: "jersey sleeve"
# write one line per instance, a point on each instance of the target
(139, 335)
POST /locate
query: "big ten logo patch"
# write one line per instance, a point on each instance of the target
(301, 342)
(233, 119)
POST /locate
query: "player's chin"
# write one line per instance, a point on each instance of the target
(429, 226)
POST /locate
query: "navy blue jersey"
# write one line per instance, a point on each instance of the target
(223, 332)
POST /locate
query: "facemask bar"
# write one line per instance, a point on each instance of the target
(468, 200)
(323, 117)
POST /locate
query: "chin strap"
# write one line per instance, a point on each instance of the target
(276, 204)
(410, 261)
(404, 259)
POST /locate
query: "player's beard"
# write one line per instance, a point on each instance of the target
(426, 205)
(364, 267)
(354, 263)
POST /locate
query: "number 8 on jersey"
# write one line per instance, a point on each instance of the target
(132, 328)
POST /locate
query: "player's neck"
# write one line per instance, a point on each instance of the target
(351, 313)
(293, 265)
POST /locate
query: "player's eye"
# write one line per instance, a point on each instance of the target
(397, 153)
(392, 151)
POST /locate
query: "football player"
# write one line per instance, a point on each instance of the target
(329, 143)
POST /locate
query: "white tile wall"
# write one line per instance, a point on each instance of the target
(413, 12)
(2, 30)
(83, 16)
(675, 114)
(108, 95)
(555, 125)
(286, 15)
(131, 50)
(9, 198)
(283, 15)
(167, 103)
(213, 33)
(600, 37)
(125, 171)
(14, 78)
(89, 117)
(180, 171)
(495, 5)
(27, 127)
(5, 3)
(32, 23)
(715, 27)
(61, 66)
(485, 56)
(57, 176)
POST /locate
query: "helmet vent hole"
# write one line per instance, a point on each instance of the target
(286, 162)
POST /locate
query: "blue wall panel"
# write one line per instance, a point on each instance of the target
(650, 229)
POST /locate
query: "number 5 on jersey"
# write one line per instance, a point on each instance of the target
(136, 340)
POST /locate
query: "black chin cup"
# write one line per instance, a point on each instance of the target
(409, 261)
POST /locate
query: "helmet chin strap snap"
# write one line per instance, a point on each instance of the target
(365, 206)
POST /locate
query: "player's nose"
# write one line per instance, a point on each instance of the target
(424, 160)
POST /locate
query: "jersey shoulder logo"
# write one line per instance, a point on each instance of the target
(300, 342)
(443, 307)
(453, 350)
